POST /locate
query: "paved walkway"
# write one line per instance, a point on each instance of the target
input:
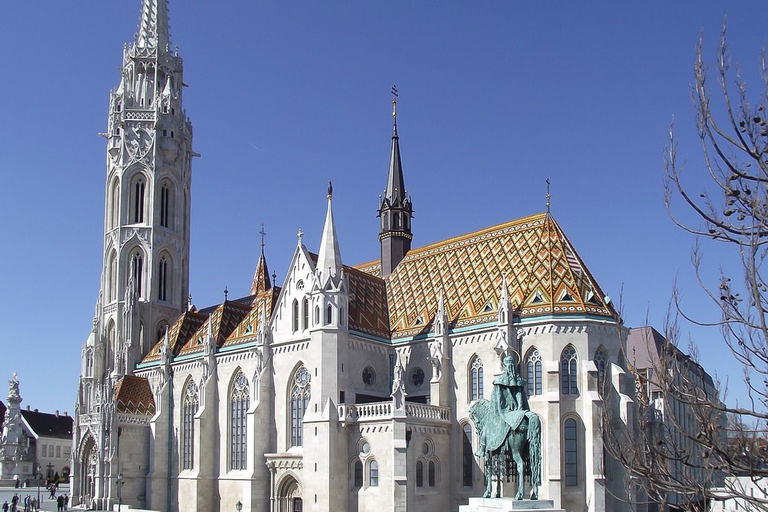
(6, 493)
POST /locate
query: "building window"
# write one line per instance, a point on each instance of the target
(137, 271)
(299, 400)
(358, 473)
(112, 277)
(476, 369)
(568, 371)
(165, 206)
(305, 313)
(467, 457)
(571, 453)
(600, 364)
(58, 452)
(317, 315)
(431, 473)
(419, 474)
(114, 204)
(138, 201)
(295, 315)
(534, 373)
(44, 452)
(373, 474)
(191, 401)
(162, 273)
(329, 315)
(239, 404)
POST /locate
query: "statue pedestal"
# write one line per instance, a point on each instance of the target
(508, 505)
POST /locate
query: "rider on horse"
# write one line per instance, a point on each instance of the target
(508, 400)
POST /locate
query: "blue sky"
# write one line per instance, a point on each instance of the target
(494, 98)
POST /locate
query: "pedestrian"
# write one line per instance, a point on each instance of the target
(5, 506)
(60, 503)
(66, 501)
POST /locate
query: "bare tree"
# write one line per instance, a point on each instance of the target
(683, 446)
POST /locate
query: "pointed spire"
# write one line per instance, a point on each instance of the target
(329, 256)
(153, 27)
(260, 281)
(395, 192)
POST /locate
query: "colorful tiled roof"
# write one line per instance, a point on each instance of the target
(179, 334)
(544, 273)
(134, 396)
(248, 328)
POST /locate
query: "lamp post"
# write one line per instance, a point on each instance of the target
(39, 476)
(119, 491)
(239, 506)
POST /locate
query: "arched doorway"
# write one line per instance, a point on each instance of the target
(87, 472)
(289, 496)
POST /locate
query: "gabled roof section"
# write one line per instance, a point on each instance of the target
(261, 276)
(223, 321)
(179, 334)
(248, 328)
(368, 309)
(544, 273)
(48, 425)
(134, 396)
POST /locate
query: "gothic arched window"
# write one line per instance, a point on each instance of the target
(239, 402)
(467, 457)
(534, 372)
(112, 277)
(305, 313)
(191, 402)
(114, 204)
(329, 315)
(166, 211)
(139, 188)
(431, 473)
(570, 434)
(358, 473)
(568, 371)
(300, 393)
(162, 279)
(373, 474)
(419, 474)
(295, 315)
(137, 271)
(599, 360)
(476, 381)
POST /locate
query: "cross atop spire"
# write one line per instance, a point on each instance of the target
(153, 27)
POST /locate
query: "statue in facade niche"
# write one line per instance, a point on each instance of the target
(510, 433)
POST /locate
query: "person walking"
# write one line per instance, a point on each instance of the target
(5, 506)
(60, 503)
(66, 502)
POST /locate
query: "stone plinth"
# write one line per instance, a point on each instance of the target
(508, 505)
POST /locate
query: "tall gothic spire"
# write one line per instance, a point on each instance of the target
(395, 208)
(329, 256)
(153, 27)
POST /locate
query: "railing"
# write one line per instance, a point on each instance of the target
(359, 413)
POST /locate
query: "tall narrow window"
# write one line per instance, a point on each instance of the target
(162, 277)
(112, 277)
(191, 401)
(467, 457)
(305, 313)
(165, 206)
(295, 315)
(358, 473)
(137, 271)
(238, 407)
(419, 474)
(138, 201)
(300, 394)
(476, 369)
(568, 371)
(534, 373)
(571, 452)
(373, 474)
(600, 364)
(114, 204)
(329, 315)
(431, 473)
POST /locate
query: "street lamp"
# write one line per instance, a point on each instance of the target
(39, 476)
(119, 491)
(239, 506)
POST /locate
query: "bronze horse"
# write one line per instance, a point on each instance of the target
(508, 451)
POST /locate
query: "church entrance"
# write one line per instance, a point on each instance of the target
(288, 496)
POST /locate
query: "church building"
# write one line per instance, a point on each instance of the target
(346, 387)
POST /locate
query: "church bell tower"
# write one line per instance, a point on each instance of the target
(395, 209)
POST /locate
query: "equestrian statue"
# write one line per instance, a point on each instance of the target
(510, 433)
